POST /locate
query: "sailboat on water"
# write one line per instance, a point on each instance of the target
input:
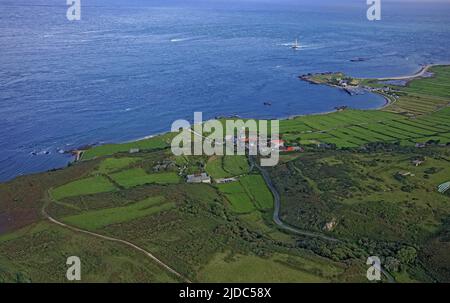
(296, 45)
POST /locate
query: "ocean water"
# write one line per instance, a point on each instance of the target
(129, 69)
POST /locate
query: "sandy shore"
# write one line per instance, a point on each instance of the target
(423, 70)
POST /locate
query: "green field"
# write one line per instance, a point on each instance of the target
(214, 168)
(237, 196)
(88, 186)
(157, 142)
(425, 95)
(420, 111)
(98, 219)
(111, 165)
(235, 165)
(248, 194)
(138, 176)
(279, 268)
(353, 128)
(256, 188)
(227, 166)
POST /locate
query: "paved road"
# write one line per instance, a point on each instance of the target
(134, 246)
(277, 207)
(281, 224)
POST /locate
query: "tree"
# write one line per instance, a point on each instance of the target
(407, 255)
(392, 264)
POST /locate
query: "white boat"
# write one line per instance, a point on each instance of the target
(296, 45)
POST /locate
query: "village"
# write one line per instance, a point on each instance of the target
(250, 140)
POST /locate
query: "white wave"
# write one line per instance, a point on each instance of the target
(303, 46)
(40, 153)
(180, 39)
(174, 40)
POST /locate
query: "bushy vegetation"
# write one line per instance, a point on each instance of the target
(39, 252)
(372, 194)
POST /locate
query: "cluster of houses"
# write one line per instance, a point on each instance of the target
(252, 141)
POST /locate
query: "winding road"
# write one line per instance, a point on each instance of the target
(277, 207)
(107, 238)
(282, 225)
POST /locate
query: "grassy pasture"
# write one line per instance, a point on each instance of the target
(257, 189)
(227, 166)
(93, 220)
(383, 127)
(235, 165)
(278, 268)
(423, 96)
(157, 142)
(88, 186)
(110, 165)
(138, 176)
(439, 85)
(236, 194)
(214, 167)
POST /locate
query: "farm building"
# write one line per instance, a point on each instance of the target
(198, 178)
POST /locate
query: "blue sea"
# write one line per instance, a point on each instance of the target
(128, 69)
